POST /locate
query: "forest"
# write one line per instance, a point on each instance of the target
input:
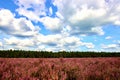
(50, 54)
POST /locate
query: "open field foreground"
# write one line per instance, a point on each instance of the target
(60, 68)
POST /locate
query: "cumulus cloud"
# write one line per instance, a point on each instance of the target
(111, 47)
(49, 42)
(31, 9)
(19, 42)
(86, 16)
(53, 24)
(16, 26)
(71, 20)
(59, 42)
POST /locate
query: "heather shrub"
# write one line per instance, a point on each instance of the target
(73, 73)
(7, 71)
(60, 69)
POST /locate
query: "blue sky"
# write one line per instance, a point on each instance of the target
(55, 25)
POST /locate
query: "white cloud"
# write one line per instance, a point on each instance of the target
(89, 45)
(75, 17)
(98, 30)
(58, 42)
(84, 17)
(31, 9)
(66, 31)
(110, 47)
(29, 14)
(117, 22)
(5, 17)
(51, 11)
(16, 26)
(108, 37)
(19, 42)
(49, 39)
(118, 41)
(70, 41)
(53, 24)
(88, 16)
(86, 13)
(1, 44)
(49, 42)
(59, 15)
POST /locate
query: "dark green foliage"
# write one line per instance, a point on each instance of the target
(46, 54)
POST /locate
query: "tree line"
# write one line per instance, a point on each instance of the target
(50, 54)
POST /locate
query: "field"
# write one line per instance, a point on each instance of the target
(60, 68)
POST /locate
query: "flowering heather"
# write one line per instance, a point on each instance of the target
(60, 68)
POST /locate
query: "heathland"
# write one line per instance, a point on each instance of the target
(60, 68)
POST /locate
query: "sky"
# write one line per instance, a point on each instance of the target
(57, 25)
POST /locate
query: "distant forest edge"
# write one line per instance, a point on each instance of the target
(50, 54)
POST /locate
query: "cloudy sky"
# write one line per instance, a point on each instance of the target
(54, 25)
